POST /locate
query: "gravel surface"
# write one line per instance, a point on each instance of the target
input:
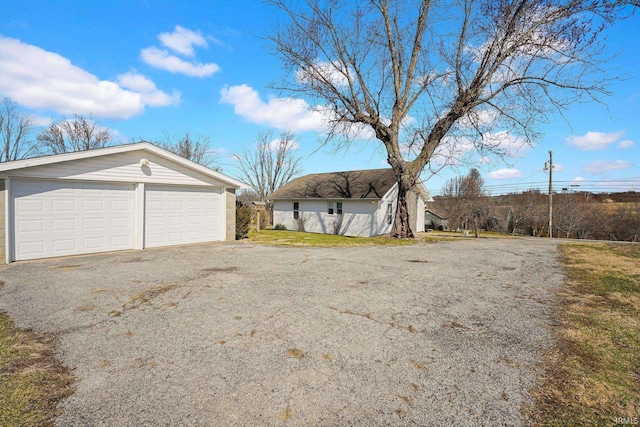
(243, 334)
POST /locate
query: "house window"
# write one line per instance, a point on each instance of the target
(339, 208)
(296, 210)
(330, 210)
(389, 213)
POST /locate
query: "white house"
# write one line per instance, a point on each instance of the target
(124, 197)
(356, 203)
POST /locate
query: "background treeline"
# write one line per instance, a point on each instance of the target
(578, 215)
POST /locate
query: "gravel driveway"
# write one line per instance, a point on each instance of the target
(242, 334)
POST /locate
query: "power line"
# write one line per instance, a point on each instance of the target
(596, 186)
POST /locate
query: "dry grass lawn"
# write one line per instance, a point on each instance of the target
(297, 238)
(32, 382)
(594, 379)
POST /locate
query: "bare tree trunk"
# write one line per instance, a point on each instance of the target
(402, 224)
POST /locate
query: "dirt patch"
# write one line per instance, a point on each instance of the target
(294, 352)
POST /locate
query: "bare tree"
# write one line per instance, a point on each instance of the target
(621, 221)
(538, 217)
(575, 214)
(524, 209)
(15, 131)
(427, 73)
(197, 150)
(78, 134)
(634, 221)
(467, 201)
(247, 196)
(270, 164)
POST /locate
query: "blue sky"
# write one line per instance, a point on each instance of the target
(146, 68)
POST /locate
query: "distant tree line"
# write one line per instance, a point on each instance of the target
(579, 215)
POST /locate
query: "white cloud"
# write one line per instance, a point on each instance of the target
(510, 144)
(324, 71)
(451, 151)
(148, 90)
(594, 140)
(36, 78)
(275, 144)
(281, 113)
(478, 118)
(624, 144)
(602, 166)
(162, 59)
(183, 40)
(505, 174)
(558, 168)
(41, 120)
(137, 82)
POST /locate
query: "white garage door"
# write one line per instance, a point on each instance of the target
(55, 218)
(179, 215)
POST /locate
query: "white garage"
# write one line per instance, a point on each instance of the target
(126, 197)
(179, 215)
(55, 218)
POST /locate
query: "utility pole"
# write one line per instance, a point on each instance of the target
(549, 165)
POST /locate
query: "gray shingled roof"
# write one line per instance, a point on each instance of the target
(364, 184)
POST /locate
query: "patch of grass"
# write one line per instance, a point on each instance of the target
(457, 235)
(594, 378)
(622, 249)
(297, 238)
(440, 236)
(32, 382)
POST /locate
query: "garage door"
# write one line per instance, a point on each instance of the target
(179, 215)
(55, 218)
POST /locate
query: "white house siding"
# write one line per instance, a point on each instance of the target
(312, 213)
(420, 216)
(120, 167)
(359, 217)
(356, 218)
(283, 214)
(381, 214)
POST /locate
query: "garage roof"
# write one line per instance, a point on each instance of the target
(145, 146)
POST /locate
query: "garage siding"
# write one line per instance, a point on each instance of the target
(230, 195)
(3, 228)
(121, 167)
